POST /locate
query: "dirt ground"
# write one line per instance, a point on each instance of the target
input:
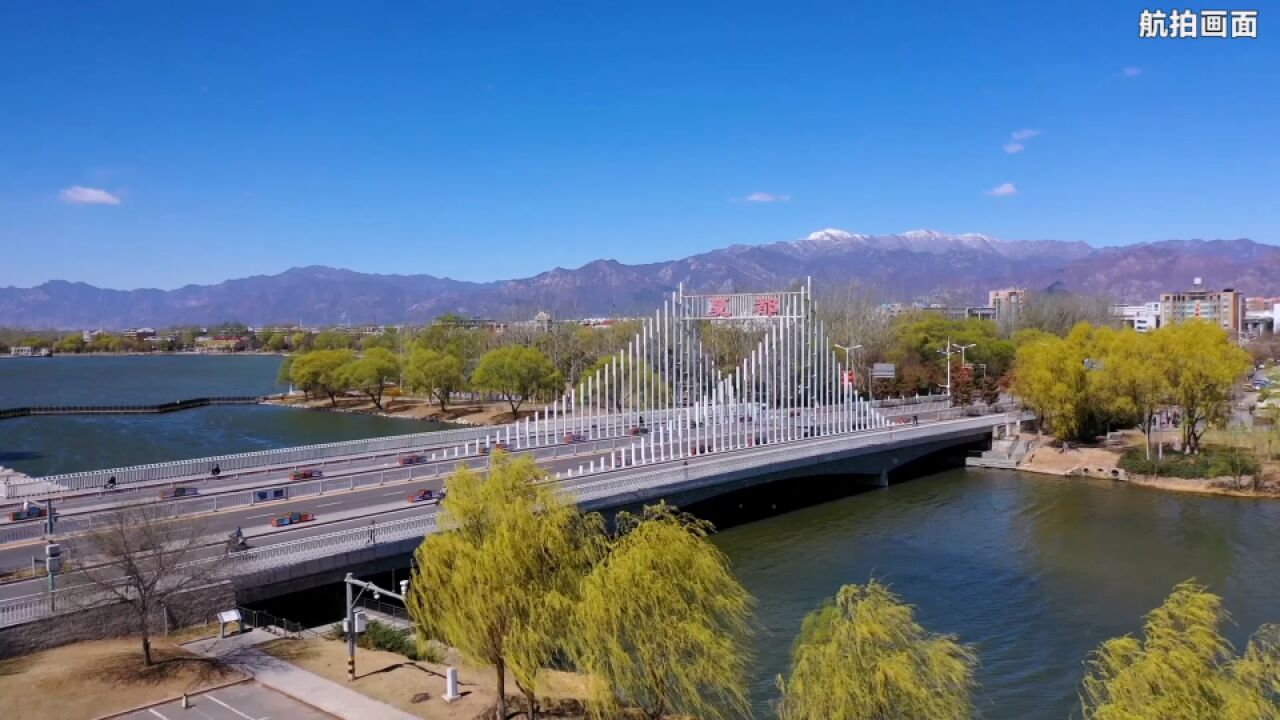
(1050, 461)
(415, 687)
(92, 679)
(465, 413)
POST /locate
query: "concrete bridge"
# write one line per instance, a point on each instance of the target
(660, 420)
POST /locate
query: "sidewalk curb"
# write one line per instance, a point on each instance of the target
(158, 703)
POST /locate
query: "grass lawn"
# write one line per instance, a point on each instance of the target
(92, 679)
(415, 687)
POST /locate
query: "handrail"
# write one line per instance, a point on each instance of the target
(31, 607)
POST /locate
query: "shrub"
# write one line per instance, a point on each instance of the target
(381, 636)
(1211, 462)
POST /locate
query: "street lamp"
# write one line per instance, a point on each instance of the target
(849, 362)
(948, 353)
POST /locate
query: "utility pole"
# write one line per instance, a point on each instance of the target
(849, 362)
(351, 584)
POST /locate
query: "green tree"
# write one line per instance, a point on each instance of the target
(332, 340)
(624, 395)
(300, 342)
(663, 625)
(1183, 668)
(322, 371)
(274, 342)
(1134, 376)
(371, 372)
(499, 580)
(517, 373)
(1204, 367)
(437, 373)
(863, 655)
(1051, 379)
(73, 343)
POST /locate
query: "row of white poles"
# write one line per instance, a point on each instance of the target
(790, 386)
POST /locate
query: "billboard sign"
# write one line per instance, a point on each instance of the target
(883, 371)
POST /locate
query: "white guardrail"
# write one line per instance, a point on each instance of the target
(631, 480)
(284, 457)
(215, 501)
(64, 524)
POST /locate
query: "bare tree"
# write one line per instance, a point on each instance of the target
(141, 559)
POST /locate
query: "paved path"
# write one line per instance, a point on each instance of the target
(246, 701)
(240, 651)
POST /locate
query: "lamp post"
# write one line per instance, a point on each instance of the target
(849, 362)
(948, 353)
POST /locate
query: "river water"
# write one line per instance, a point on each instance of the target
(1034, 571)
(69, 443)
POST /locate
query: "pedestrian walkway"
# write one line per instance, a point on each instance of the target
(241, 652)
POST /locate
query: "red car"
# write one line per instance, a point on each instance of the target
(305, 475)
(411, 459)
(423, 496)
(574, 438)
(496, 446)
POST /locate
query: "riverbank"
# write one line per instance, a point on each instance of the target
(407, 408)
(1103, 462)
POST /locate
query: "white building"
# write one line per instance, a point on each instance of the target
(1143, 318)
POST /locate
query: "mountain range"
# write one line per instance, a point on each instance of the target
(919, 265)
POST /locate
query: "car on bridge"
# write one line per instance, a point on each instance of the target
(639, 430)
(178, 492)
(308, 474)
(504, 447)
(426, 496)
(28, 513)
(414, 459)
(574, 438)
(292, 518)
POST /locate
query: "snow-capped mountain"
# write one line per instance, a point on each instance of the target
(918, 264)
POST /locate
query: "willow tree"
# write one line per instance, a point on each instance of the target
(1134, 376)
(863, 655)
(499, 578)
(663, 625)
(1183, 668)
(434, 372)
(1051, 377)
(1206, 365)
(517, 373)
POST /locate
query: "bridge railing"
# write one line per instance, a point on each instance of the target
(276, 459)
(31, 607)
(66, 524)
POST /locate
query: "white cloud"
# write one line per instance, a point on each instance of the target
(764, 197)
(1026, 134)
(1131, 71)
(78, 195)
(1003, 190)
(1013, 148)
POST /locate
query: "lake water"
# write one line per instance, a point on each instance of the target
(1033, 571)
(69, 443)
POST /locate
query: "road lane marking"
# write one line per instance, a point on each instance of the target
(255, 517)
(246, 717)
(157, 714)
(336, 502)
(392, 494)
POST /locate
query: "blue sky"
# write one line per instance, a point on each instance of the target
(159, 144)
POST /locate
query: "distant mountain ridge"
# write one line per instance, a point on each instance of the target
(915, 265)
